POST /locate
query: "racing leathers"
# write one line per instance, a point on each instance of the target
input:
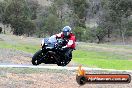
(70, 46)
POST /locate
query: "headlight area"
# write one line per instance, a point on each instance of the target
(42, 43)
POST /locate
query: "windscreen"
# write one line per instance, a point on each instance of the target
(52, 39)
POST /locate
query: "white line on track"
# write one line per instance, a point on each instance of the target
(61, 68)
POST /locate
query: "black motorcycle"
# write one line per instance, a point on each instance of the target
(52, 52)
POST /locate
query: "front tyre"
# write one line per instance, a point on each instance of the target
(36, 59)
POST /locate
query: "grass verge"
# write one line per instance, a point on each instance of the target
(90, 58)
(103, 60)
(30, 71)
(22, 47)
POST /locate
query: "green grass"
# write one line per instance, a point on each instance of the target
(102, 60)
(88, 45)
(90, 58)
(22, 47)
(4, 70)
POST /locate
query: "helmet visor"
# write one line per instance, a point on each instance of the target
(66, 33)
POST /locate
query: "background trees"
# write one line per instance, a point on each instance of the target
(18, 15)
(116, 17)
(91, 20)
(79, 11)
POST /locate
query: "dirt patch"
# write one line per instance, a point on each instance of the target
(41, 79)
(49, 80)
(38, 80)
(10, 56)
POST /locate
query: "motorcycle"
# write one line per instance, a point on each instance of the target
(52, 52)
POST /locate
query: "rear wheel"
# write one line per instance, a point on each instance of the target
(36, 59)
(65, 61)
(62, 63)
(69, 59)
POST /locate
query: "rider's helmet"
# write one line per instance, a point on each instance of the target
(66, 31)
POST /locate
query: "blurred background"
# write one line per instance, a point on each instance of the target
(95, 21)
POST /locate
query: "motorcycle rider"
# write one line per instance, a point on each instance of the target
(70, 38)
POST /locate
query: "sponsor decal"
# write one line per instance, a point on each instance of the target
(82, 78)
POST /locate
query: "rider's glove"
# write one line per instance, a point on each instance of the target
(64, 47)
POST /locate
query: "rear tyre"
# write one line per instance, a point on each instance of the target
(65, 61)
(62, 63)
(36, 59)
(69, 59)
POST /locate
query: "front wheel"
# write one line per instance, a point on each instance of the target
(36, 59)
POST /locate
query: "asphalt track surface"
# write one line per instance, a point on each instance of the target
(61, 68)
